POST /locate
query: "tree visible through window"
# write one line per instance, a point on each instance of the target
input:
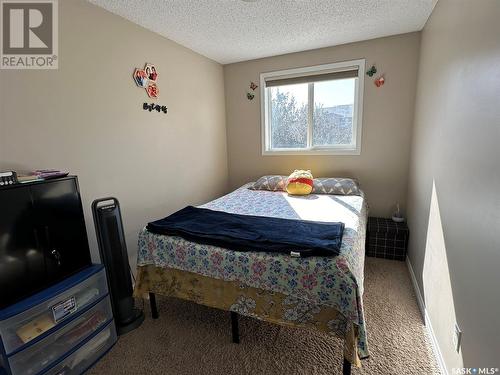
(289, 117)
(312, 113)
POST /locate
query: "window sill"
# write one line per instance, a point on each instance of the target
(319, 152)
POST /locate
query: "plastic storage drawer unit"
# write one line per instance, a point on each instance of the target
(23, 327)
(43, 353)
(65, 327)
(86, 355)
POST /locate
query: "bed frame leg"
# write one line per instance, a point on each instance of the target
(154, 308)
(235, 328)
(346, 367)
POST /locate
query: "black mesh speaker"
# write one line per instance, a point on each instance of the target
(113, 250)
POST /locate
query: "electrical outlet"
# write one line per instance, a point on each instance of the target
(457, 337)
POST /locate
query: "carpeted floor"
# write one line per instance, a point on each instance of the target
(193, 339)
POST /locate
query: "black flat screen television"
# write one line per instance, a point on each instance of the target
(43, 238)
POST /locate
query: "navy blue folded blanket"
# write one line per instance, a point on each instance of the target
(252, 233)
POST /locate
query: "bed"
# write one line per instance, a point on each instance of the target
(318, 292)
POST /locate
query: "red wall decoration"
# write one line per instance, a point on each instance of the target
(146, 78)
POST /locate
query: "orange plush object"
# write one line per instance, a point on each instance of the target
(300, 182)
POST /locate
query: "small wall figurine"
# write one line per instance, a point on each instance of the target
(379, 81)
(251, 95)
(371, 72)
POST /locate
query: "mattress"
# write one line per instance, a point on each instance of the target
(334, 281)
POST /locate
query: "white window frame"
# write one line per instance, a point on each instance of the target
(314, 70)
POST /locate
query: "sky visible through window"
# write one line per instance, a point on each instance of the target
(342, 94)
(333, 93)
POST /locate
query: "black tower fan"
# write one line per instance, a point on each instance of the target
(113, 250)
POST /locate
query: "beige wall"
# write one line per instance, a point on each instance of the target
(454, 183)
(387, 118)
(87, 117)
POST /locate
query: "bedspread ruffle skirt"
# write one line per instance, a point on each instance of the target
(265, 305)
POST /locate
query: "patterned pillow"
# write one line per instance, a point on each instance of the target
(336, 186)
(272, 183)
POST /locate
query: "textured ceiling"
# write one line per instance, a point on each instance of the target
(234, 30)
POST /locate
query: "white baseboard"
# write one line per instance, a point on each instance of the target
(427, 321)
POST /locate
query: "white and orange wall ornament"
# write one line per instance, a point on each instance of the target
(146, 78)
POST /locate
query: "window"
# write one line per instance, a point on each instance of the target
(314, 110)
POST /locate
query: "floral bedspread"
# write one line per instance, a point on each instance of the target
(335, 282)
